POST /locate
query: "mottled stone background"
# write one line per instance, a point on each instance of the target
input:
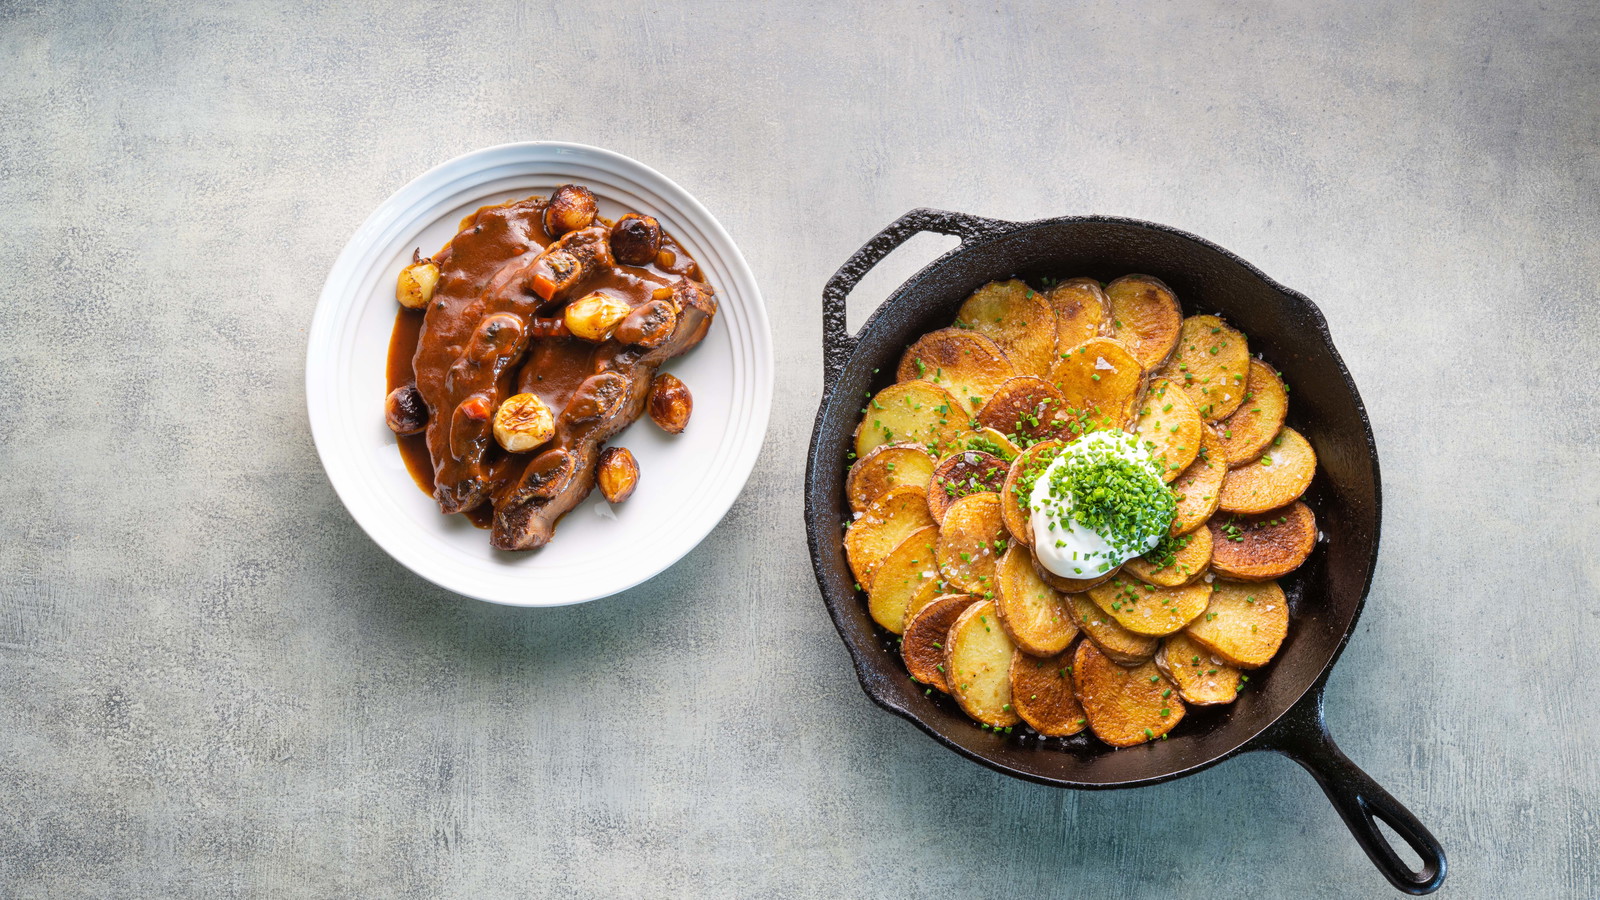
(212, 684)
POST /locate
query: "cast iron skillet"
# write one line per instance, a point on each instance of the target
(1282, 709)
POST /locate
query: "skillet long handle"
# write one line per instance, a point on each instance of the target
(1302, 735)
(837, 342)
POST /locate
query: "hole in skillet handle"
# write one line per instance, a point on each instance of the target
(1302, 735)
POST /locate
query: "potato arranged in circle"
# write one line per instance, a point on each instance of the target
(969, 366)
(1177, 560)
(1245, 624)
(1043, 694)
(1100, 381)
(887, 466)
(1017, 319)
(1144, 316)
(1116, 642)
(992, 442)
(1263, 546)
(962, 474)
(971, 540)
(1200, 678)
(1125, 705)
(1260, 414)
(1277, 478)
(875, 533)
(1018, 488)
(1169, 427)
(1149, 610)
(1033, 613)
(1027, 409)
(907, 576)
(915, 412)
(922, 645)
(1199, 489)
(1081, 309)
(1211, 364)
(978, 666)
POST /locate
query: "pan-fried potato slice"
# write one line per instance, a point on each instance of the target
(971, 540)
(922, 645)
(962, 474)
(1070, 585)
(1125, 705)
(1199, 488)
(969, 366)
(908, 573)
(1027, 409)
(1245, 624)
(1144, 316)
(1100, 381)
(887, 466)
(1169, 427)
(1277, 478)
(1247, 432)
(1043, 694)
(1263, 546)
(1211, 364)
(1017, 319)
(1081, 308)
(978, 666)
(1033, 613)
(1121, 645)
(1177, 560)
(1200, 678)
(1014, 494)
(917, 412)
(1146, 609)
(993, 443)
(875, 533)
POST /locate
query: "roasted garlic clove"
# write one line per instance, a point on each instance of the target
(618, 474)
(670, 403)
(523, 422)
(636, 239)
(571, 207)
(594, 317)
(416, 284)
(404, 410)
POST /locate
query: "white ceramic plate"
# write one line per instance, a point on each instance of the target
(687, 482)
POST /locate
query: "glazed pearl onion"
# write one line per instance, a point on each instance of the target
(522, 423)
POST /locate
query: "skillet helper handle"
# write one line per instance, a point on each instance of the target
(1302, 735)
(837, 342)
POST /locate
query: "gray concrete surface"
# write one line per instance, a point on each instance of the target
(213, 685)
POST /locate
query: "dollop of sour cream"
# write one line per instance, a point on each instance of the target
(1066, 546)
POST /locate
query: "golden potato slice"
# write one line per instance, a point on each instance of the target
(971, 540)
(875, 533)
(1017, 319)
(1033, 613)
(916, 412)
(908, 572)
(1149, 610)
(1199, 488)
(962, 474)
(1277, 478)
(1177, 560)
(1211, 364)
(969, 366)
(992, 442)
(1247, 432)
(1125, 705)
(977, 664)
(1245, 624)
(887, 466)
(922, 645)
(1200, 678)
(1144, 316)
(1018, 487)
(1027, 410)
(1116, 642)
(1263, 546)
(1100, 381)
(1043, 694)
(1170, 427)
(1081, 309)
(1070, 585)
